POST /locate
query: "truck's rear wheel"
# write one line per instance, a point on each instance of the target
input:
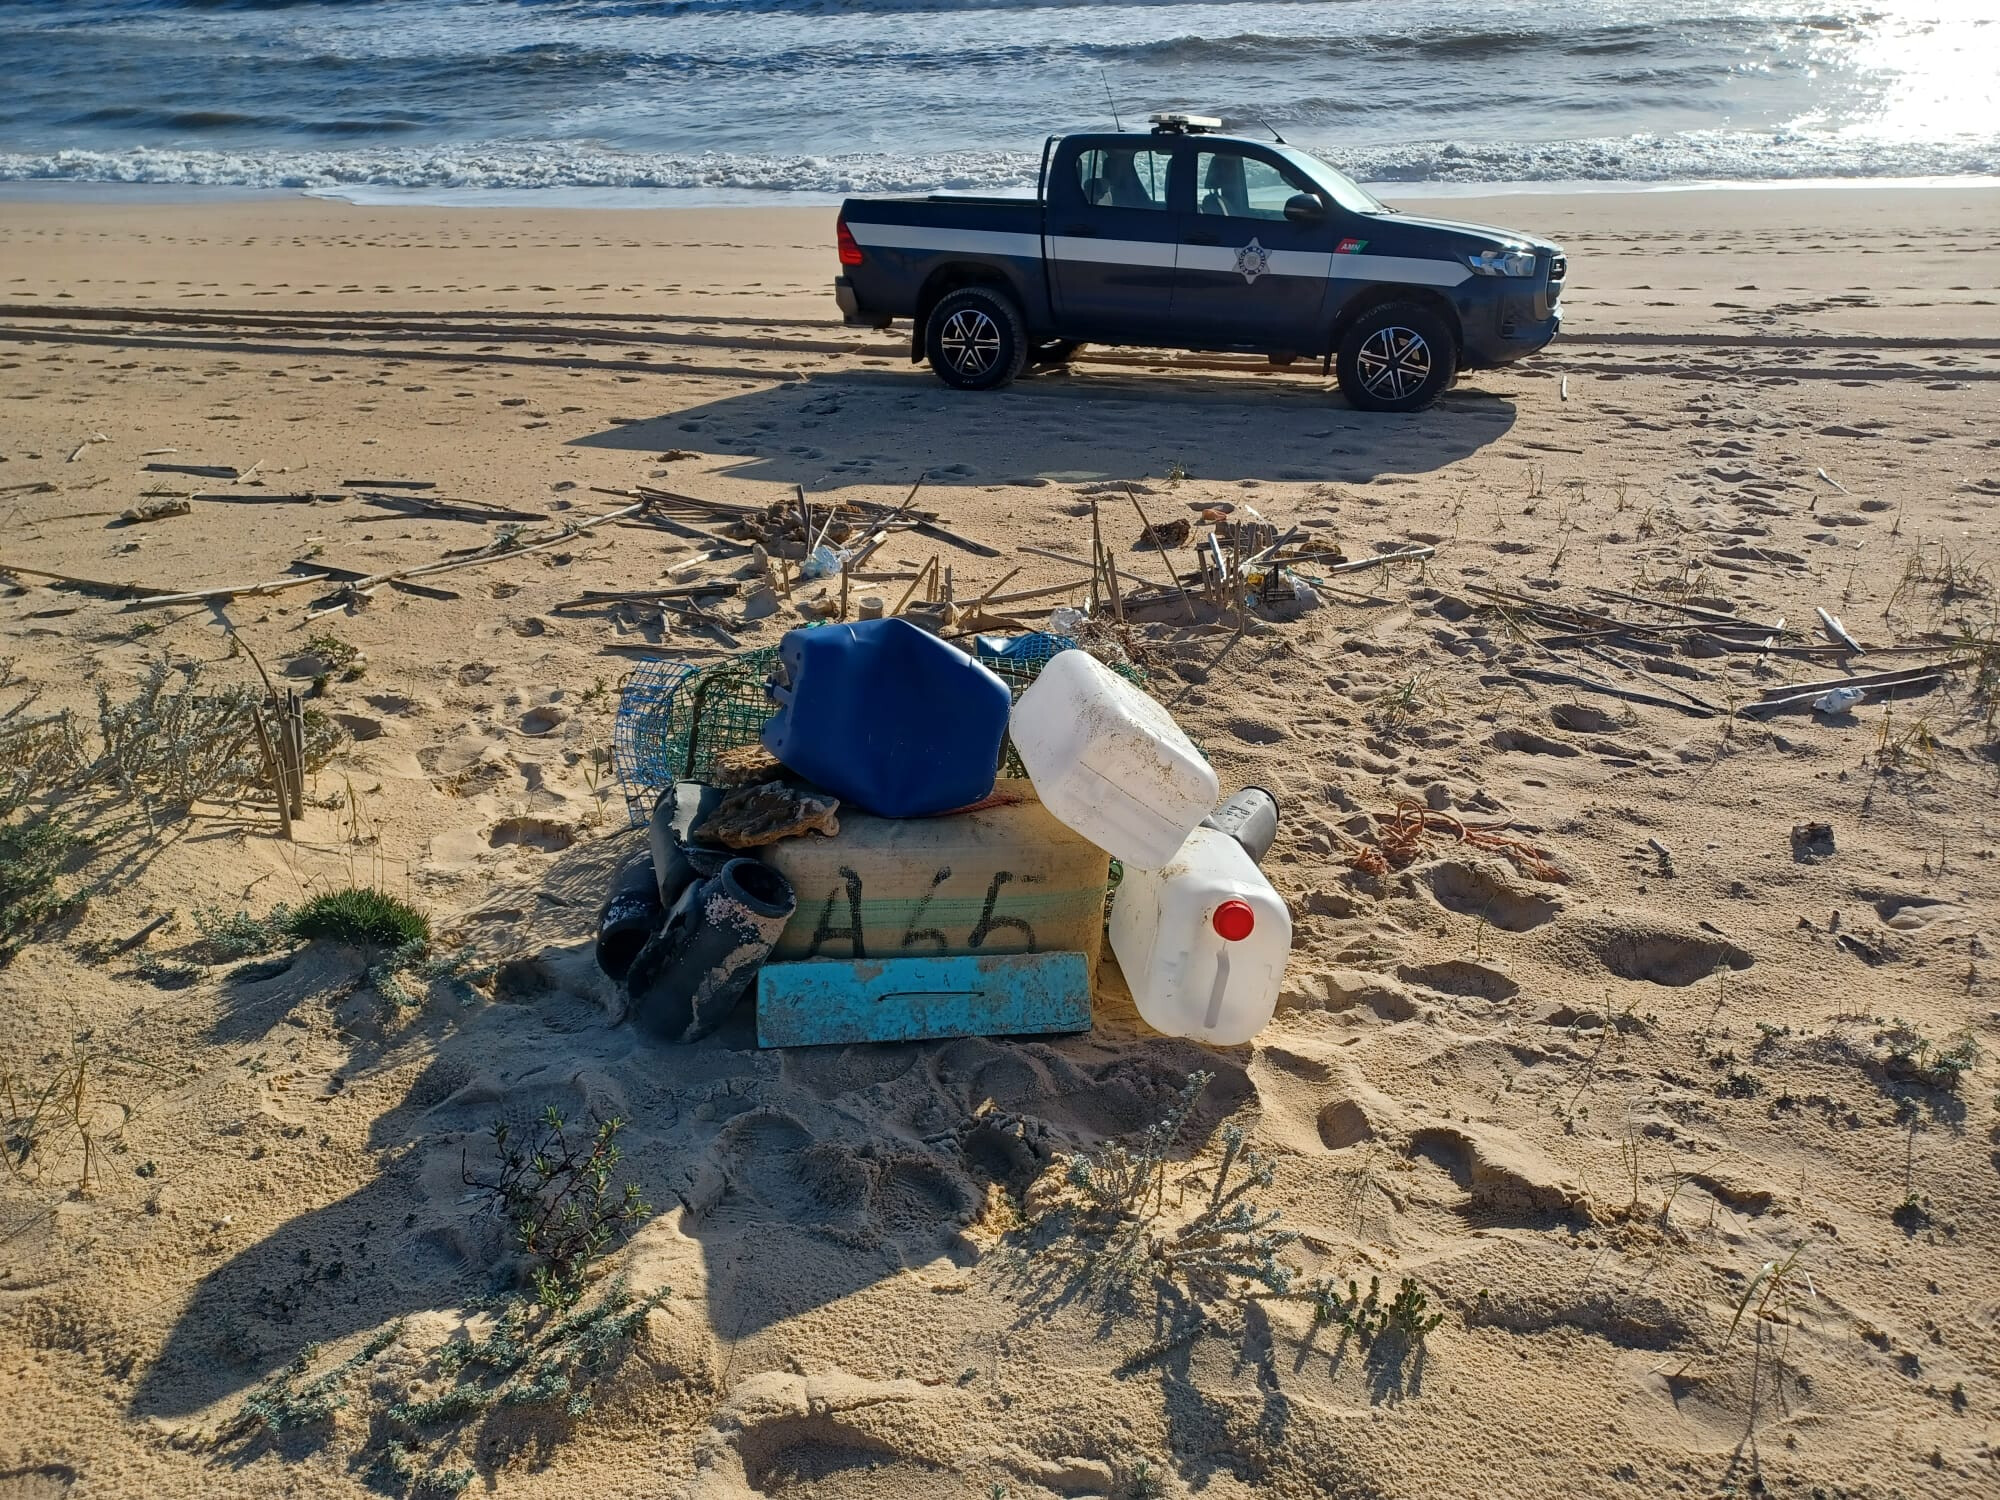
(1397, 357)
(976, 339)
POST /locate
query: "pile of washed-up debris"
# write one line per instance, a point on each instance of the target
(868, 869)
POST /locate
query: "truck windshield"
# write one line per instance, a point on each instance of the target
(1343, 189)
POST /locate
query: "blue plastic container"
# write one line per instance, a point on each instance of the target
(888, 717)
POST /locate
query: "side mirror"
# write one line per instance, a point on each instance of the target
(1304, 208)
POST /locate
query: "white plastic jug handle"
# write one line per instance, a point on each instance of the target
(1214, 1016)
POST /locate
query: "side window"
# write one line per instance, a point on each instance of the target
(1241, 187)
(1120, 178)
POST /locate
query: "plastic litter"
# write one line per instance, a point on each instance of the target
(1839, 700)
(1066, 621)
(705, 956)
(1110, 762)
(888, 717)
(1251, 818)
(825, 562)
(1202, 941)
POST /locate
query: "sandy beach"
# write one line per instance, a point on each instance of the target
(1649, 1129)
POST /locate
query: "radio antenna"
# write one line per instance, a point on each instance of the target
(1116, 123)
(1274, 134)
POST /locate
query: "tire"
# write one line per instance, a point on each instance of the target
(976, 339)
(1055, 354)
(1400, 356)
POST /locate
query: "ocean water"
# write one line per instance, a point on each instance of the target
(732, 100)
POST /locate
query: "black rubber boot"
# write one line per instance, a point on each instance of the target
(705, 956)
(1251, 818)
(677, 860)
(630, 913)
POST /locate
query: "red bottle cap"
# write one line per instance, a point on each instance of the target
(1235, 921)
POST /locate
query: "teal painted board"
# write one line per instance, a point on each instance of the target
(917, 999)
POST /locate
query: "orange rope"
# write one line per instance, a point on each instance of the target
(1402, 835)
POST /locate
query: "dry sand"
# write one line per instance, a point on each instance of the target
(1488, 1082)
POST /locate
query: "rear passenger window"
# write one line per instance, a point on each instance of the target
(1124, 178)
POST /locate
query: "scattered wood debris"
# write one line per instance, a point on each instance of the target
(154, 510)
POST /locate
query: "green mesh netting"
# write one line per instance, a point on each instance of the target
(674, 719)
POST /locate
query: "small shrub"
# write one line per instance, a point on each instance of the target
(228, 936)
(53, 1112)
(283, 1404)
(31, 856)
(37, 757)
(341, 659)
(1910, 1056)
(172, 743)
(1407, 1313)
(556, 1192)
(363, 916)
(1229, 1251)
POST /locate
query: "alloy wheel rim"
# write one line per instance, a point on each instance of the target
(971, 341)
(1393, 362)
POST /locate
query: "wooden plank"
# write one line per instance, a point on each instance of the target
(919, 999)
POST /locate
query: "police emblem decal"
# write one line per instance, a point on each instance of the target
(1253, 260)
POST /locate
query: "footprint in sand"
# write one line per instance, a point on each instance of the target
(1640, 946)
(545, 834)
(1489, 891)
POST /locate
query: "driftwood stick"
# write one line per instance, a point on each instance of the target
(881, 532)
(1715, 616)
(718, 507)
(295, 733)
(916, 583)
(266, 497)
(1620, 662)
(1161, 547)
(230, 591)
(1382, 559)
(1914, 680)
(82, 583)
(1048, 591)
(597, 598)
(1874, 679)
(1594, 685)
(984, 599)
(492, 554)
(273, 769)
(945, 534)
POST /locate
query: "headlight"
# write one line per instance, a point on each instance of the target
(1503, 262)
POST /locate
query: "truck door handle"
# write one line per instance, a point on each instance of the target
(1081, 231)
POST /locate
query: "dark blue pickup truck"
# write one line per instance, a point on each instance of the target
(1186, 238)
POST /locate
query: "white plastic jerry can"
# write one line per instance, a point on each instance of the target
(1109, 761)
(1203, 941)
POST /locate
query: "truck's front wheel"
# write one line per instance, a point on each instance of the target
(1396, 357)
(976, 339)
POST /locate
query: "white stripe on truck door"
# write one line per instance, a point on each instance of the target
(1406, 269)
(1111, 252)
(973, 241)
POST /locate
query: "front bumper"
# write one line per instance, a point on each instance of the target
(1510, 319)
